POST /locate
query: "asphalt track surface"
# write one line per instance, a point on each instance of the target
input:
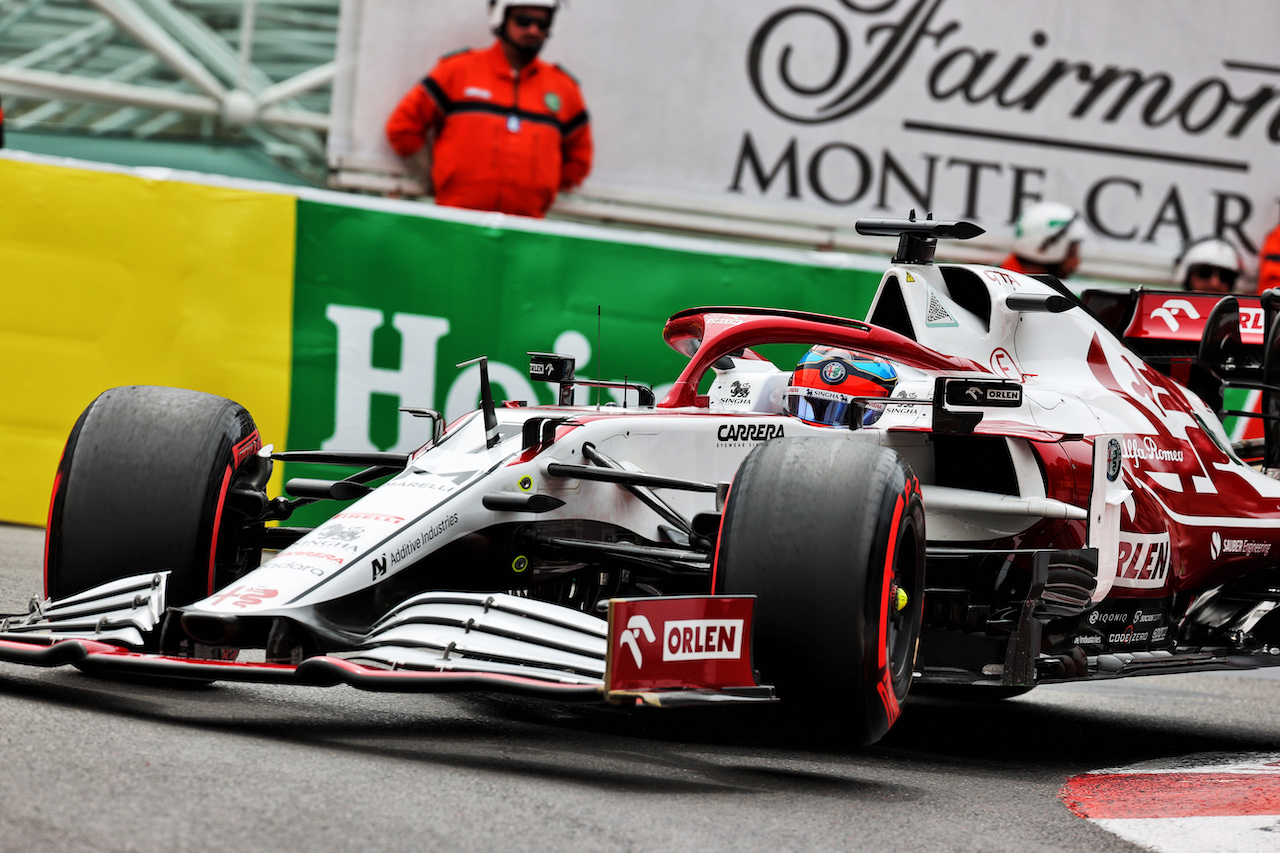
(102, 766)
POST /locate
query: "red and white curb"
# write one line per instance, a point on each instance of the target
(1199, 804)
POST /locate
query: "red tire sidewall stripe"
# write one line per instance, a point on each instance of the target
(715, 560)
(884, 686)
(48, 524)
(241, 451)
(217, 525)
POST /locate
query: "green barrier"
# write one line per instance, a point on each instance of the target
(1240, 400)
(386, 305)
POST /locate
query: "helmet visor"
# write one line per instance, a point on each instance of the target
(827, 412)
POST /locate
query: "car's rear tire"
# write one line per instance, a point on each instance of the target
(825, 532)
(143, 487)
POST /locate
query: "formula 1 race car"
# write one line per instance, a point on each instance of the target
(979, 489)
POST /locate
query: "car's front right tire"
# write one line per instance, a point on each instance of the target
(143, 486)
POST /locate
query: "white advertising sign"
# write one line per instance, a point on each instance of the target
(1158, 119)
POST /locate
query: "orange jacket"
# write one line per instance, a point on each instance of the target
(1012, 264)
(1269, 261)
(502, 142)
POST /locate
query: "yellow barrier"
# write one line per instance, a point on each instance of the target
(114, 279)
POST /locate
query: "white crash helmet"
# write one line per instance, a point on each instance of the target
(498, 10)
(1045, 231)
(1207, 251)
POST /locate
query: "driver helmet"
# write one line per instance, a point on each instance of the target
(498, 10)
(1045, 231)
(1208, 252)
(830, 387)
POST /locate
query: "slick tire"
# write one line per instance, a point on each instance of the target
(143, 486)
(825, 532)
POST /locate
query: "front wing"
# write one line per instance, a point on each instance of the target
(662, 652)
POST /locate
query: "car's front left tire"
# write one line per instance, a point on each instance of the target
(829, 535)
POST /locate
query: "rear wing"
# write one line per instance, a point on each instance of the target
(1169, 323)
(1207, 342)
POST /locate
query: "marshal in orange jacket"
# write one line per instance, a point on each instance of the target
(1269, 262)
(503, 141)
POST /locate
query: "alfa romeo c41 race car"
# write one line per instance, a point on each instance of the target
(980, 488)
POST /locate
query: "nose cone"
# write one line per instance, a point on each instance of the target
(212, 629)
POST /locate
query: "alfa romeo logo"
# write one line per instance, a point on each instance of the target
(834, 372)
(1113, 460)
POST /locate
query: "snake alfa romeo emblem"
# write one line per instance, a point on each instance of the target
(1113, 460)
(833, 372)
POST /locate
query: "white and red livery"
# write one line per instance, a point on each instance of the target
(1035, 503)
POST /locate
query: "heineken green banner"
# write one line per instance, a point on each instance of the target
(386, 306)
